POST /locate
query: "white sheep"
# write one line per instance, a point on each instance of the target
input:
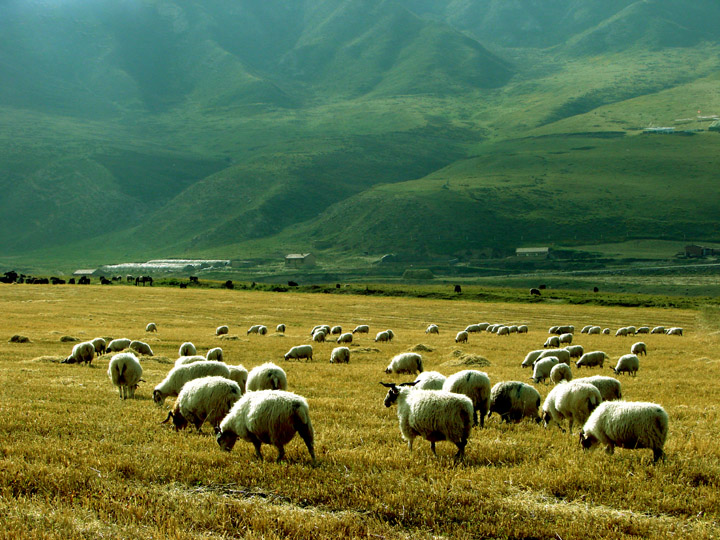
(179, 375)
(270, 417)
(151, 327)
(262, 330)
(573, 400)
(643, 330)
(432, 329)
(319, 336)
(336, 330)
(628, 363)
(253, 329)
(141, 347)
(390, 334)
(187, 349)
(361, 329)
(586, 329)
(475, 385)
(221, 330)
(627, 424)
(81, 352)
(471, 328)
(563, 355)
(461, 337)
(565, 339)
(513, 401)
(675, 331)
(267, 376)
(182, 360)
(117, 345)
(631, 330)
(100, 345)
(280, 328)
(300, 351)
(429, 380)
(240, 375)
(513, 328)
(552, 341)
(522, 329)
(596, 330)
(542, 368)
(503, 330)
(576, 351)
(553, 330)
(593, 358)
(621, 332)
(608, 387)
(483, 326)
(216, 353)
(435, 415)
(125, 372)
(606, 331)
(408, 362)
(382, 336)
(639, 348)
(560, 372)
(347, 337)
(340, 355)
(658, 330)
(531, 357)
(206, 399)
(566, 329)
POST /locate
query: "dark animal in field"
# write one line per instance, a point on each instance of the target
(458, 289)
(72, 281)
(84, 280)
(595, 289)
(292, 284)
(193, 279)
(105, 281)
(229, 284)
(144, 280)
(535, 292)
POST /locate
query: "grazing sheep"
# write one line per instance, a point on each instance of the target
(179, 375)
(621, 332)
(141, 347)
(627, 424)
(563, 355)
(280, 328)
(658, 330)
(608, 387)
(429, 380)
(100, 345)
(361, 329)
(382, 336)
(629, 363)
(347, 337)
(643, 330)
(461, 337)
(267, 376)
(240, 375)
(151, 327)
(531, 357)
(215, 353)
(270, 417)
(560, 372)
(566, 329)
(82, 352)
(513, 401)
(492, 328)
(606, 331)
(565, 338)
(471, 328)
(475, 385)
(390, 334)
(503, 330)
(184, 360)
(125, 372)
(596, 330)
(542, 368)
(117, 345)
(483, 326)
(336, 330)
(206, 399)
(340, 355)
(253, 329)
(586, 329)
(576, 351)
(522, 329)
(319, 336)
(675, 331)
(552, 330)
(435, 415)
(262, 330)
(631, 330)
(574, 401)
(408, 362)
(187, 349)
(300, 351)
(432, 329)
(639, 348)
(513, 329)
(221, 330)
(590, 359)
(552, 341)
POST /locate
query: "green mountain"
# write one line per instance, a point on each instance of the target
(143, 128)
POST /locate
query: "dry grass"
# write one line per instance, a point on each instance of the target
(76, 462)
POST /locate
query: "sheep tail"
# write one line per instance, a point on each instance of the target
(301, 413)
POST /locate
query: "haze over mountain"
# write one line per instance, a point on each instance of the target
(145, 128)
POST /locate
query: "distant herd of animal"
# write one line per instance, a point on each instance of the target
(256, 407)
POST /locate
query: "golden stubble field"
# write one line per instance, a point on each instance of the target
(77, 462)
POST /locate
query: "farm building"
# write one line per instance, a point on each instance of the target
(693, 250)
(533, 252)
(86, 272)
(300, 260)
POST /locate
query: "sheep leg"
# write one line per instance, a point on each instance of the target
(657, 454)
(610, 449)
(120, 390)
(257, 443)
(307, 436)
(460, 456)
(432, 447)
(475, 417)
(281, 452)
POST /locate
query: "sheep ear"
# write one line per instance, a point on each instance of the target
(413, 383)
(169, 416)
(388, 385)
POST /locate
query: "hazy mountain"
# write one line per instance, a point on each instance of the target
(198, 125)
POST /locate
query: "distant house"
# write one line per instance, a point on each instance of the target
(300, 260)
(693, 250)
(659, 130)
(85, 272)
(533, 252)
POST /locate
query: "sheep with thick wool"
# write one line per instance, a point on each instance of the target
(674, 331)
(300, 351)
(182, 360)
(565, 338)
(573, 400)
(361, 329)
(560, 373)
(267, 376)
(628, 363)
(222, 330)
(576, 351)
(627, 424)
(280, 328)
(117, 345)
(408, 362)
(100, 345)
(179, 375)
(151, 327)
(531, 357)
(340, 355)
(563, 355)
(435, 415)
(461, 337)
(543, 367)
(552, 341)
(141, 347)
(609, 387)
(336, 330)
(81, 352)
(593, 358)
(430, 380)
(432, 329)
(206, 399)
(216, 353)
(513, 401)
(347, 337)
(125, 372)
(639, 348)
(240, 375)
(187, 349)
(270, 417)
(475, 385)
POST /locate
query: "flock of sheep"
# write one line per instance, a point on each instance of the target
(255, 406)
